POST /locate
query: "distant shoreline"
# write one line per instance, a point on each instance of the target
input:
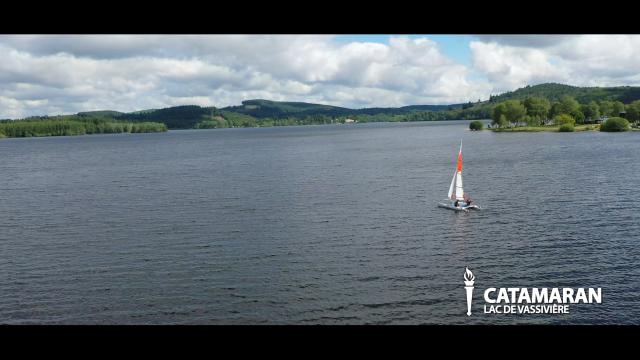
(577, 128)
(544, 128)
(163, 129)
(74, 126)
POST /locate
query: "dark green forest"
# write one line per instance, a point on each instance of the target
(73, 125)
(536, 111)
(274, 109)
(555, 92)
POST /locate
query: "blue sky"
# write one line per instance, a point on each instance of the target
(62, 74)
(454, 46)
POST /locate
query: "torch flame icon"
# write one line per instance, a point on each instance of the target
(468, 277)
(468, 286)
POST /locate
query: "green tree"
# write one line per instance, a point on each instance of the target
(512, 110)
(515, 111)
(74, 125)
(615, 124)
(633, 111)
(618, 107)
(476, 125)
(531, 120)
(498, 114)
(591, 110)
(562, 119)
(566, 128)
(569, 105)
(537, 107)
(502, 121)
(606, 107)
(556, 109)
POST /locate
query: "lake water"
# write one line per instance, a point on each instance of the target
(332, 224)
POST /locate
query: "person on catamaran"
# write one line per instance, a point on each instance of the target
(456, 204)
(467, 200)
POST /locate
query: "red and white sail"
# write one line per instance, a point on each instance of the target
(455, 190)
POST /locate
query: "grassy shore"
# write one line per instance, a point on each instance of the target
(554, 128)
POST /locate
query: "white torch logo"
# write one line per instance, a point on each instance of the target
(468, 286)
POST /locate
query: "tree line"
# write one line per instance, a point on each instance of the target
(74, 125)
(539, 111)
(226, 119)
(584, 95)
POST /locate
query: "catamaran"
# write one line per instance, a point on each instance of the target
(457, 199)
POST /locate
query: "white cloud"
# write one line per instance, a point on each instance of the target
(528, 41)
(510, 67)
(59, 73)
(587, 60)
(135, 72)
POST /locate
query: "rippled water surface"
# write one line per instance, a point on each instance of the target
(313, 225)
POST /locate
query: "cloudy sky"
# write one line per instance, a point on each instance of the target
(58, 74)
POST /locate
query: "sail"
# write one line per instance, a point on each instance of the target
(452, 187)
(459, 190)
(456, 191)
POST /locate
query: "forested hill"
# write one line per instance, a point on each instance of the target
(278, 113)
(266, 108)
(265, 112)
(261, 112)
(177, 117)
(100, 114)
(279, 109)
(555, 92)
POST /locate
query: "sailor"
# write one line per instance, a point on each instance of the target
(468, 202)
(456, 204)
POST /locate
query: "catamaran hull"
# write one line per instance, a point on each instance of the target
(451, 207)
